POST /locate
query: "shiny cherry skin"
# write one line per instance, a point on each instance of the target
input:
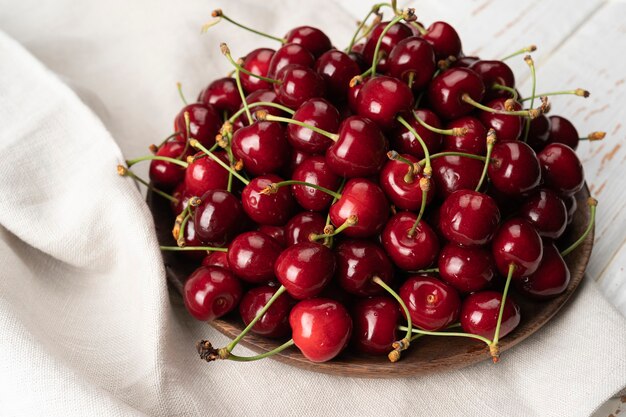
(546, 211)
(454, 173)
(494, 72)
(314, 170)
(204, 123)
(382, 98)
(319, 113)
(222, 94)
(404, 195)
(394, 35)
(468, 269)
(514, 169)
(474, 141)
(179, 193)
(192, 239)
(216, 259)
(432, 304)
(517, 242)
(561, 169)
(360, 149)
(353, 94)
(275, 322)
(273, 209)
(251, 257)
(365, 200)
(410, 253)
(167, 175)
(276, 232)
(404, 141)
(258, 63)
(205, 174)
(507, 127)
(550, 279)
(300, 227)
(311, 38)
(304, 269)
(337, 69)
(469, 218)
(444, 39)
(539, 132)
(321, 328)
(290, 54)
(446, 90)
(358, 262)
(262, 147)
(412, 57)
(218, 216)
(210, 292)
(563, 131)
(479, 314)
(298, 84)
(572, 205)
(375, 325)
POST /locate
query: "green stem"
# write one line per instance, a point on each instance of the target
(181, 234)
(179, 86)
(428, 169)
(496, 335)
(243, 96)
(453, 153)
(272, 118)
(530, 48)
(192, 248)
(491, 140)
(350, 221)
(511, 91)
(409, 326)
(592, 219)
(219, 14)
(272, 352)
(198, 145)
(420, 214)
(425, 271)
(132, 162)
(226, 52)
(329, 242)
(260, 103)
(128, 172)
(577, 92)
(447, 132)
(454, 334)
(380, 41)
(231, 158)
(277, 185)
(523, 113)
(531, 65)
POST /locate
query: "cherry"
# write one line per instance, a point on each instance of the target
(313, 39)
(550, 279)
(446, 91)
(538, 132)
(167, 175)
(216, 259)
(469, 218)
(218, 216)
(204, 174)
(514, 169)
(517, 243)
(251, 257)
(404, 141)
(297, 84)
(301, 226)
(297, 157)
(412, 60)
(354, 88)
(375, 324)
(337, 69)
(319, 113)
(365, 200)
(395, 34)
(321, 328)
(275, 322)
(210, 292)
(546, 212)
(222, 94)
(304, 269)
(358, 261)
(454, 173)
(563, 131)
(258, 63)
(314, 170)
(290, 54)
(402, 185)
(494, 72)
(507, 127)
(272, 209)
(473, 141)
(409, 252)
(266, 96)
(204, 123)
(561, 169)
(382, 98)
(276, 232)
(571, 205)
(262, 147)
(468, 269)
(479, 314)
(432, 304)
(444, 39)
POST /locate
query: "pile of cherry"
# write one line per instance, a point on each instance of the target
(364, 198)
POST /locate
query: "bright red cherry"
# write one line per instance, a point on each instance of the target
(298, 84)
(412, 60)
(365, 200)
(375, 325)
(337, 69)
(468, 269)
(251, 257)
(454, 173)
(404, 141)
(494, 72)
(479, 314)
(546, 212)
(314, 170)
(272, 209)
(432, 304)
(313, 39)
(563, 131)
(222, 94)
(204, 123)
(204, 174)
(167, 175)
(561, 169)
(358, 262)
(550, 279)
(444, 39)
(410, 252)
(300, 227)
(514, 168)
(446, 91)
(216, 259)
(402, 187)
(258, 63)
(474, 141)
(304, 269)
(395, 34)
(210, 292)
(469, 218)
(507, 127)
(319, 113)
(382, 98)
(517, 242)
(262, 147)
(218, 216)
(290, 54)
(275, 322)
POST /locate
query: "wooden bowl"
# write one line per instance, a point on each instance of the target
(427, 354)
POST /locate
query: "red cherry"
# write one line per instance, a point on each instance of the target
(479, 314)
(298, 84)
(561, 169)
(251, 257)
(546, 212)
(550, 279)
(302, 225)
(365, 200)
(205, 174)
(382, 98)
(494, 72)
(468, 269)
(409, 252)
(218, 216)
(180, 193)
(314, 170)
(517, 242)
(275, 322)
(375, 325)
(563, 131)
(192, 239)
(446, 91)
(275, 232)
(268, 96)
(262, 147)
(210, 292)
(319, 113)
(454, 173)
(404, 195)
(444, 39)
(222, 94)
(353, 94)
(469, 218)
(474, 141)
(358, 261)
(337, 69)
(290, 54)
(216, 259)
(507, 127)
(204, 123)
(304, 269)
(272, 209)
(412, 59)
(538, 132)
(258, 63)
(432, 304)
(514, 169)
(464, 62)
(395, 34)
(313, 39)
(404, 141)
(167, 175)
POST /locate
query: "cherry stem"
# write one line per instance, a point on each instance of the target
(125, 172)
(264, 115)
(428, 169)
(350, 221)
(180, 239)
(457, 131)
(594, 136)
(531, 64)
(272, 352)
(493, 345)
(425, 186)
(193, 248)
(226, 52)
(576, 92)
(260, 103)
(453, 153)
(380, 41)
(593, 203)
(329, 241)
(409, 82)
(425, 271)
(132, 162)
(155, 148)
(219, 14)
(231, 159)
(531, 113)
(179, 87)
(491, 141)
(195, 144)
(403, 344)
(410, 175)
(525, 50)
(374, 10)
(273, 188)
(243, 96)
(511, 91)
(455, 334)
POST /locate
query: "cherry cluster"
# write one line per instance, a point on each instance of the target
(369, 196)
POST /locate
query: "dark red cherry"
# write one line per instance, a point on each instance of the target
(365, 200)
(222, 94)
(337, 69)
(468, 269)
(319, 113)
(507, 127)
(305, 268)
(494, 72)
(469, 218)
(313, 39)
(360, 149)
(517, 242)
(276, 232)
(479, 314)
(446, 90)
(404, 141)
(375, 325)
(192, 239)
(166, 175)
(314, 170)
(550, 279)
(205, 174)
(394, 35)
(563, 131)
(204, 123)
(300, 227)
(410, 253)
(216, 259)
(182, 197)
(298, 84)
(262, 147)
(474, 141)
(290, 54)
(272, 209)
(275, 322)
(321, 328)
(432, 304)
(572, 205)
(538, 132)
(454, 173)
(358, 262)
(412, 59)
(258, 63)
(514, 168)
(297, 157)
(218, 216)
(251, 257)
(464, 61)
(546, 212)
(382, 98)
(444, 39)
(353, 94)
(561, 169)
(210, 292)
(404, 195)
